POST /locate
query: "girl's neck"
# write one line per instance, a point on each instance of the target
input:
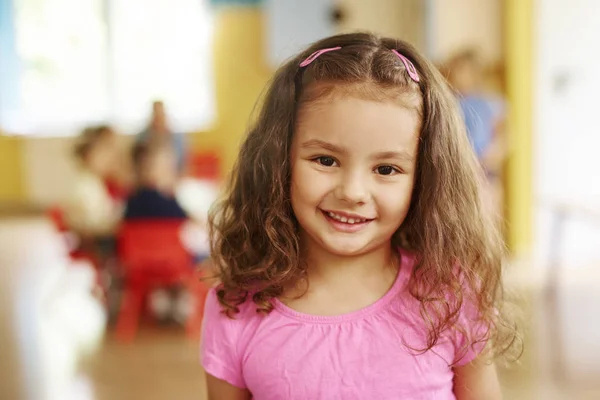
(339, 285)
(331, 269)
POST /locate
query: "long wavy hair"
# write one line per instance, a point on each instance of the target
(254, 233)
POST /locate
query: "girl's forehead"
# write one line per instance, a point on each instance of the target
(354, 125)
(324, 92)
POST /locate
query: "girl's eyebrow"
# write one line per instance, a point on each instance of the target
(324, 145)
(400, 155)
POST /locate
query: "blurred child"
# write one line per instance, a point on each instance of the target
(120, 181)
(91, 211)
(155, 196)
(155, 166)
(484, 115)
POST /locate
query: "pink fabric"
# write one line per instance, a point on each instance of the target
(362, 355)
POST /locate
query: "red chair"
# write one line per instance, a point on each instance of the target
(117, 191)
(56, 215)
(152, 255)
(205, 165)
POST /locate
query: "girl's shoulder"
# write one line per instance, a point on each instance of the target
(224, 338)
(214, 312)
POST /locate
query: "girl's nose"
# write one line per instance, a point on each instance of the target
(353, 188)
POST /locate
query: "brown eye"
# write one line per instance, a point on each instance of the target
(326, 161)
(386, 170)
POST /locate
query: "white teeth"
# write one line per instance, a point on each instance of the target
(345, 219)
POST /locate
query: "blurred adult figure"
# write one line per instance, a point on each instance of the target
(158, 130)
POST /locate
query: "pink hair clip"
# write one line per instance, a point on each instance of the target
(316, 54)
(410, 68)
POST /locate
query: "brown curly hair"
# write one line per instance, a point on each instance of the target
(254, 233)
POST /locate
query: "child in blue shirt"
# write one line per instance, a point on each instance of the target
(156, 171)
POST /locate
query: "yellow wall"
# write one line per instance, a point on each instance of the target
(11, 173)
(519, 47)
(241, 73)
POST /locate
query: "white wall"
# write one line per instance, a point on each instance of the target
(567, 162)
(293, 25)
(456, 24)
(567, 134)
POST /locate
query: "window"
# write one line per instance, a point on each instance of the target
(86, 61)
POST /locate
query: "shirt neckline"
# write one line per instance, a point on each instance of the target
(401, 278)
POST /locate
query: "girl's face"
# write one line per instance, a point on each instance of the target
(102, 156)
(353, 171)
(465, 77)
(160, 169)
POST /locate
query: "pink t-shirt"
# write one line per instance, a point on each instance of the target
(358, 356)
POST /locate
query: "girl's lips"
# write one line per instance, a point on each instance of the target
(350, 225)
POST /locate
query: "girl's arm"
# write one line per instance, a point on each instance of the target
(219, 389)
(477, 380)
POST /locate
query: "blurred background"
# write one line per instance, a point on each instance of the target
(120, 118)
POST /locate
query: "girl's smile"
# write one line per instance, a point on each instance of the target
(346, 222)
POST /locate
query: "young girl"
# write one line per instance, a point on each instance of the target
(354, 256)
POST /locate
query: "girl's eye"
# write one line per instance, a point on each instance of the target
(386, 170)
(325, 161)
